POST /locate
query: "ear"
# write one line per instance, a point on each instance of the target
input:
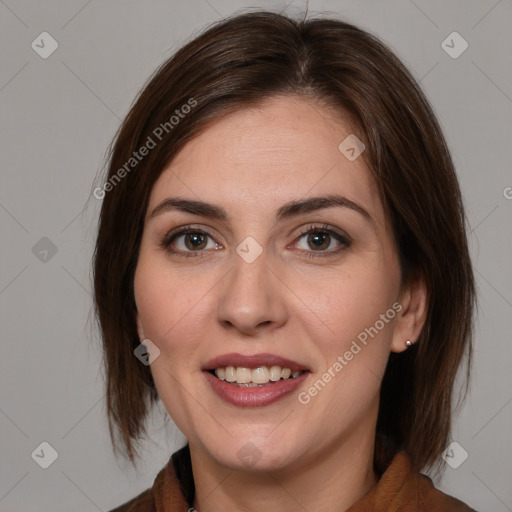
(411, 318)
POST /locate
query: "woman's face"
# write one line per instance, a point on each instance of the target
(248, 294)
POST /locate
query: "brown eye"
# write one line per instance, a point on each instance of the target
(319, 239)
(188, 242)
(195, 241)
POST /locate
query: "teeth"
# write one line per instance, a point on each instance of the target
(230, 374)
(243, 375)
(259, 375)
(248, 377)
(275, 373)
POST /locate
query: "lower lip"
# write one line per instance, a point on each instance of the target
(254, 396)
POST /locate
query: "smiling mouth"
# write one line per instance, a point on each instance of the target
(254, 377)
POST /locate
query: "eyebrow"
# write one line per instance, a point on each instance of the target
(288, 210)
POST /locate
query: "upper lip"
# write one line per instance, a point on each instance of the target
(252, 361)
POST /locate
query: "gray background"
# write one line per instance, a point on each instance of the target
(58, 116)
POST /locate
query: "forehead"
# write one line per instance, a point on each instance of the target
(259, 158)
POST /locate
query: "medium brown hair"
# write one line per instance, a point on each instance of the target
(240, 62)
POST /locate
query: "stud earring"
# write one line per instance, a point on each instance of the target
(408, 343)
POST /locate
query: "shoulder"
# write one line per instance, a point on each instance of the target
(165, 484)
(402, 488)
(144, 502)
(435, 500)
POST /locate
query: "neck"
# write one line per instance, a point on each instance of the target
(331, 479)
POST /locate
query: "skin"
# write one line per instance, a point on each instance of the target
(306, 309)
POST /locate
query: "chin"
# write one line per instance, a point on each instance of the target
(257, 453)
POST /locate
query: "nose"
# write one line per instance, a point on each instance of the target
(252, 299)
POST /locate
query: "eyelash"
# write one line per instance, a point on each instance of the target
(168, 238)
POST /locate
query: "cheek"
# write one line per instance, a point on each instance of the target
(355, 351)
(166, 310)
(345, 304)
(164, 301)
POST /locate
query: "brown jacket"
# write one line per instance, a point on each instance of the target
(400, 489)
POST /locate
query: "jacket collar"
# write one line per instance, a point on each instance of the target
(400, 489)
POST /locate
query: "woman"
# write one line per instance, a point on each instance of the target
(282, 261)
